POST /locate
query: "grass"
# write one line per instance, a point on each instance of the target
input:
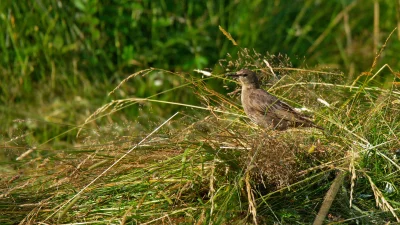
(59, 58)
(208, 165)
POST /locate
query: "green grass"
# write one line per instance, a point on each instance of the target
(62, 128)
(207, 165)
(61, 58)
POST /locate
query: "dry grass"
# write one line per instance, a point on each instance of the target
(209, 165)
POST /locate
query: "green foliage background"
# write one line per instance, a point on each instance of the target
(60, 59)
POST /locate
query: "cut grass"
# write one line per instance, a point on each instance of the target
(218, 169)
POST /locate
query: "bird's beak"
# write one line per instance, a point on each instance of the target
(232, 74)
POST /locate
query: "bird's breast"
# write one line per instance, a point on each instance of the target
(247, 102)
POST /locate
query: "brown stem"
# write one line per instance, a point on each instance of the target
(329, 197)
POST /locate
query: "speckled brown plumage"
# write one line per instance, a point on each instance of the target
(265, 109)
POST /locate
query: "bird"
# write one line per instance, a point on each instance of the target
(264, 109)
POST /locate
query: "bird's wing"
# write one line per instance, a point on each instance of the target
(268, 104)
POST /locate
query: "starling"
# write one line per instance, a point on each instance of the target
(265, 109)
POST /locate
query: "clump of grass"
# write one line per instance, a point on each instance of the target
(209, 165)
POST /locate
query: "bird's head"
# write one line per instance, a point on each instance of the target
(246, 77)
